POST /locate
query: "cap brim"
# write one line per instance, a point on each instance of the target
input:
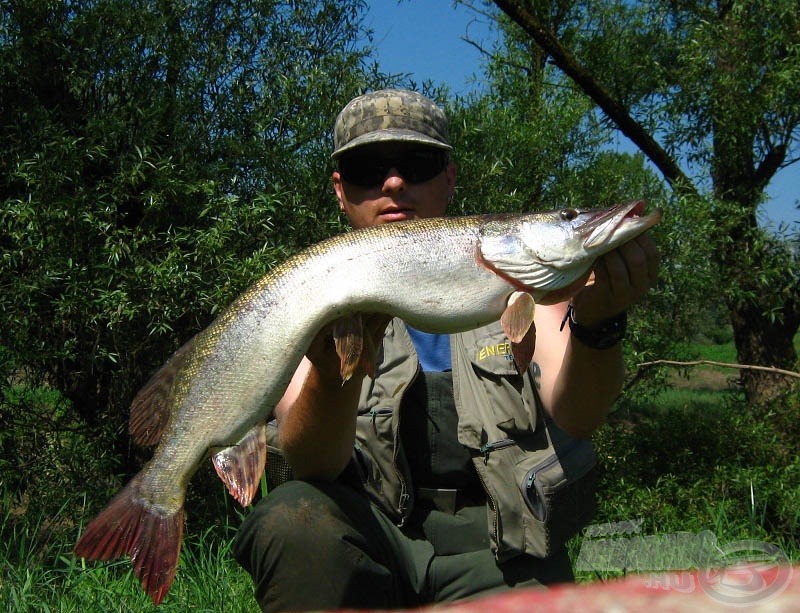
(390, 135)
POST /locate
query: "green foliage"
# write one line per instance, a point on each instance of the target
(42, 574)
(695, 460)
(534, 141)
(158, 158)
(709, 92)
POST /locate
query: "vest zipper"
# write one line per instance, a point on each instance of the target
(488, 448)
(492, 505)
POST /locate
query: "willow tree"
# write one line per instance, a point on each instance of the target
(712, 86)
(157, 157)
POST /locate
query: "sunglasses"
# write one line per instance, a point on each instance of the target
(414, 166)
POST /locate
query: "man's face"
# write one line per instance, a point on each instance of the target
(383, 183)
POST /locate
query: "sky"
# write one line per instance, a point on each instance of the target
(425, 38)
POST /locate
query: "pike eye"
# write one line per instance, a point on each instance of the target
(569, 214)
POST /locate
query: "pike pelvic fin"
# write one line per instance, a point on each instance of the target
(517, 323)
(150, 406)
(240, 466)
(353, 346)
(128, 525)
(348, 336)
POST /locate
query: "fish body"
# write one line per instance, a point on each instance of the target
(440, 275)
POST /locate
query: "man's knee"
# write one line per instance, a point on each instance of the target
(297, 515)
(314, 534)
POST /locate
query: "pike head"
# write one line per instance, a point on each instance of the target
(553, 251)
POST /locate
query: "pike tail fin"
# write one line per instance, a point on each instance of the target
(129, 525)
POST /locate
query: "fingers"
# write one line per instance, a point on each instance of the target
(622, 278)
(322, 351)
(631, 270)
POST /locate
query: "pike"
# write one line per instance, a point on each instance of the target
(217, 392)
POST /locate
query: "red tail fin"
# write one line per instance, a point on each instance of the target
(129, 525)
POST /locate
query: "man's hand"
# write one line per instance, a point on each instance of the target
(621, 278)
(322, 351)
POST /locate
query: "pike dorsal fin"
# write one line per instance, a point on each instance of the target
(517, 323)
(150, 407)
(240, 466)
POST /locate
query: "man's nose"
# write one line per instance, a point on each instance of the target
(393, 182)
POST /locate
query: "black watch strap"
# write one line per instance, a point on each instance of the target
(603, 336)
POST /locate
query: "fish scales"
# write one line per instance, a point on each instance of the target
(245, 359)
(439, 275)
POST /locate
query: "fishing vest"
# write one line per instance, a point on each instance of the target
(539, 481)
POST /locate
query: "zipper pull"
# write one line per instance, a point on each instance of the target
(404, 498)
(488, 448)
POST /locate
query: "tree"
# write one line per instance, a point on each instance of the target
(532, 140)
(157, 158)
(712, 86)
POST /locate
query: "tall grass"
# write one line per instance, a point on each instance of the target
(46, 576)
(699, 460)
(688, 461)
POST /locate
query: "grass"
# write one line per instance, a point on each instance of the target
(51, 578)
(696, 460)
(693, 460)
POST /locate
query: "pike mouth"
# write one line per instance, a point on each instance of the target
(622, 222)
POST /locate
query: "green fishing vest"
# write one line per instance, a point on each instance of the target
(539, 482)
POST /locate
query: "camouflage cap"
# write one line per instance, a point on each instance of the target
(389, 115)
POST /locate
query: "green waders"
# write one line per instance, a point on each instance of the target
(316, 546)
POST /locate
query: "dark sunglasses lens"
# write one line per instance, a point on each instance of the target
(370, 171)
(362, 171)
(421, 166)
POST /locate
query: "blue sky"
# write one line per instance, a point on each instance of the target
(424, 38)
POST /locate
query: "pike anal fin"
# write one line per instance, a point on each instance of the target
(130, 526)
(240, 466)
(517, 323)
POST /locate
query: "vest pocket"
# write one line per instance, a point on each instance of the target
(497, 381)
(559, 494)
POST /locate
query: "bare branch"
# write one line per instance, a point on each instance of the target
(772, 369)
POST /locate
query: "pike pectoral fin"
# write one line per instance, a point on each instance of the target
(240, 466)
(517, 323)
(348, 336)
(150, 407)
(128, 525)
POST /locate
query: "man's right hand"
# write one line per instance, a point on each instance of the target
(317, 414)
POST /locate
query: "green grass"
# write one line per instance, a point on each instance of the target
(50, 578)
(693, 459)
(699, 460)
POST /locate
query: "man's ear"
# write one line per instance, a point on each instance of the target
(337, 187)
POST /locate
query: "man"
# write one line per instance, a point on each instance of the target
(389, 504)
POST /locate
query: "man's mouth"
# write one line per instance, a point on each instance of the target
(397, 213)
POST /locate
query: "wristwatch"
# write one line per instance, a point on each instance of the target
(603, 336)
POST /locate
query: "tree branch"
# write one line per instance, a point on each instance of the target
(613, 109)
(645, 365)
(772, 369)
